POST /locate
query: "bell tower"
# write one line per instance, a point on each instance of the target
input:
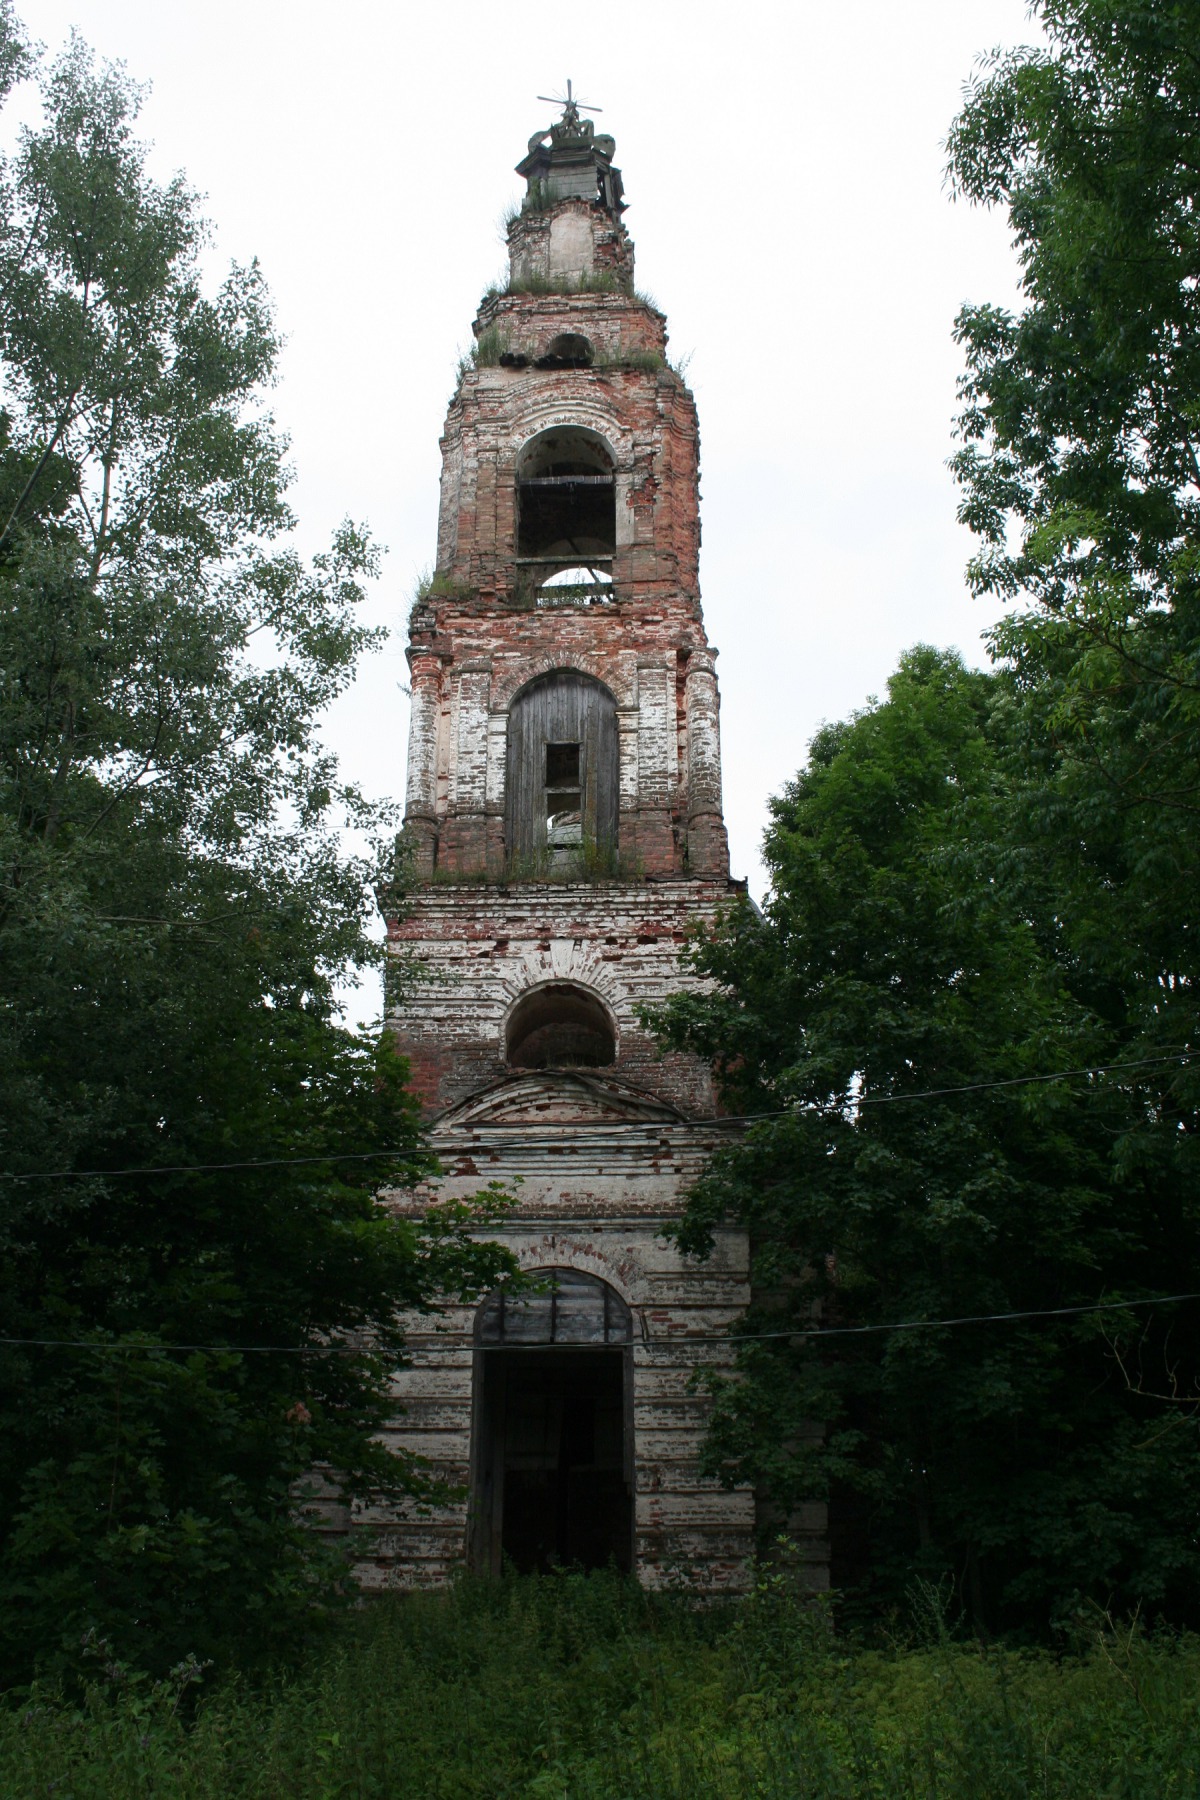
(568, 539)
(565, 830)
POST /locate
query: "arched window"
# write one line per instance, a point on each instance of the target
(566, 503)
(571, 1308)
(559, 1026)
(562, 775)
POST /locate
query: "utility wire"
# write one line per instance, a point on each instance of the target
(257, 1162)
(461, 1340)
(738, 1120)
(974, 1087)
(1046, 1312)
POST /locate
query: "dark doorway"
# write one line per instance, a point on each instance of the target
(552, 1451)
(554, 1460)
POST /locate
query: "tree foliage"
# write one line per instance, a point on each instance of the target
(191, 1145)
(1079, 470)
(893, 1016)
(987, 881)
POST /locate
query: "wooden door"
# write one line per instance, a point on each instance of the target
(554, 717)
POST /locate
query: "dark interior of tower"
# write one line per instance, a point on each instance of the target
(557, 1486)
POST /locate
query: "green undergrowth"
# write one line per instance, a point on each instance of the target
(584, 1688)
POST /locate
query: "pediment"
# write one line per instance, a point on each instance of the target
(557, 1097)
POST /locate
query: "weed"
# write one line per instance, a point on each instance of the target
(489, 348)
(587, 1687)
(439, 585)
(648, 360)
(539, 197)
(435, 584)
(599, 281)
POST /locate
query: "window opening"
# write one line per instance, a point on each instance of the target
(566, 511)
(560, 1026)
(585, 584)
(569, 1307)
(569, 350)
(564, 798)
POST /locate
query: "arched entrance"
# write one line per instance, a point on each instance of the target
(552, 1461)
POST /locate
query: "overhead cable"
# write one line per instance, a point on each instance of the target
(460, 1340)
(740, 1121)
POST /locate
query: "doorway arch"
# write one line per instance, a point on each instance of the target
(552, 1433)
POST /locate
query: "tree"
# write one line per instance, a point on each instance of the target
(191, 1145)
(995, 880)
(1080, 471)
(890, 1023)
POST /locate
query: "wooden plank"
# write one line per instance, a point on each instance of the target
(560, 708)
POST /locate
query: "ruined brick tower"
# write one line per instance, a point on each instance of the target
(564, 814)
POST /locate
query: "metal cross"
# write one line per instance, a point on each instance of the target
(571, 106)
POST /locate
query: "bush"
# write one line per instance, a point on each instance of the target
(575, 1687)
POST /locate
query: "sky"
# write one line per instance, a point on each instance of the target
(785, 170)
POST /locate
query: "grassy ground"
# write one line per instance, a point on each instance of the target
(582, 1688)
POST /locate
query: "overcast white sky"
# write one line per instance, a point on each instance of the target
(785, 174)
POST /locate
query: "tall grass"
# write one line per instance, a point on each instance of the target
(584, 1688)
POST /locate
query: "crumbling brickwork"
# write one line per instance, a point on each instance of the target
(565, 826)
(476, 949)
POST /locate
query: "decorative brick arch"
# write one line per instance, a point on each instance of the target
(585, 413)
(512, 678)
(566, 1250)
(597, 441)
(563, 964)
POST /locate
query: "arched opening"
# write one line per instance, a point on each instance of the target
(562, 793)
(566, 504)
(569, 350)
(551, 1453)
(559, 1026)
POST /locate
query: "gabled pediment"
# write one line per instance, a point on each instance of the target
(557, 1097)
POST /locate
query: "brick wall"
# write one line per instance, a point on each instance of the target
(473, 950)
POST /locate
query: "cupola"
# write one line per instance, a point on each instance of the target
(575, 164)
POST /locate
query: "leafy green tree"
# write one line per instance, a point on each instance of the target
(990, 880)
(1080, 472)
(190, 1144)
(892, 1016)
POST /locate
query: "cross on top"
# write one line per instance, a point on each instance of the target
(571, 107)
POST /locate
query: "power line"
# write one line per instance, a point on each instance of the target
(465, 1340)
(973, 1087)
(726, 1120)
(1045, 1312)
(121, 1349)
(257, 1162)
